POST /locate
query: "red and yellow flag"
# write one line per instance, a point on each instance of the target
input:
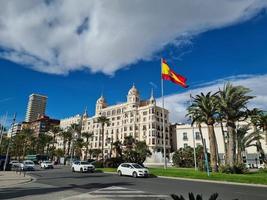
(168, 74)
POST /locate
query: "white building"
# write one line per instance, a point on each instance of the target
(36, 107)
(142, 119)
(67, 122)
(182, 136)
(14, 129)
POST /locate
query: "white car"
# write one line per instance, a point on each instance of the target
(82, 166)
(47, 164)
(14, 163)
(27, 165)
(132, 169)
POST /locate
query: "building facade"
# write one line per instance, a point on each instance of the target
(67, 122)
(14, 129)
(42, 125)
(141, 119)
(36, 107)
(184, 135)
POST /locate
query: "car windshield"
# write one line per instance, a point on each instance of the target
(137, 166)
(48, 162)
(85, 163)
(29, 163)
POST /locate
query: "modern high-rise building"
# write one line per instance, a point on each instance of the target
(36, 107)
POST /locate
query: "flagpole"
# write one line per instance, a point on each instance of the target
(163, 124)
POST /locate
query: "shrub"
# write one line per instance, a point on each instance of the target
(236, 169)
(98, 164)
(113, 162)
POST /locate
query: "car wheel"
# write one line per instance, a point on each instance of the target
(134, 174)
(119, 173)
(73, 169)
(81, 170)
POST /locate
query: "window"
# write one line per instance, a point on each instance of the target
(145, 113)
(185, 145)
(197, 135)
(185, 136)
(153, 140)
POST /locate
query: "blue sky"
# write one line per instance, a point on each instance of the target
(235, 50)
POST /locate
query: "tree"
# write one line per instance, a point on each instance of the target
(69, 137)
(245, 140)
(77, 147)
(138, 152)
(43, 142)
(55, 130)
(87, 135)
(259, 121)
(232, 102)
(204, 109)
(59, 153)
(96, 153)
(129, 142)
(26, 137)
(117, 147)
(102, 121)
(65, 136)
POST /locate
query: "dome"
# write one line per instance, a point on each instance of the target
(133, 91)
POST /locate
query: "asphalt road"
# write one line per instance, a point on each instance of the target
(61, 183)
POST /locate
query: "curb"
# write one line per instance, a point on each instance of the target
(206, 181)
(212, 181)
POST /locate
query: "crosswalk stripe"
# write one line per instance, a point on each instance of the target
(115, 192)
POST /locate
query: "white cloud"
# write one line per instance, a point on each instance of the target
(177, 103)
(113, 34)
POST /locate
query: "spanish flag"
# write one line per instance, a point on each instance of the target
(168, 74)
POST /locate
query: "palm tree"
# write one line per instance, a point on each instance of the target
(259, 121)
(117, 147)
(129, 142)
(102, 120)
(87, 135)
(245, 140)
(77, 147)
(232, 106)
(27, 135)
(69, 137)
(64, 135)
(96, 153)
(204, 109)
(55, 130)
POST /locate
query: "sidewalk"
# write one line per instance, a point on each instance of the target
(11, 178)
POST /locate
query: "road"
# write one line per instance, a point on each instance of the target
(61, 183)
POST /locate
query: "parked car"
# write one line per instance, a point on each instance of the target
(27, 165)
(82, 166)
(14, 163)
(132, 169)
(261, 166)
(47, 164)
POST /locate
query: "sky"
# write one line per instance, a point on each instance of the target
(73, 51)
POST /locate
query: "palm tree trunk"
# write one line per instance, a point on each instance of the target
(239, 154)
(102, 134)
(213, 148)
(224, 143)
(231, 143)
(68, 150)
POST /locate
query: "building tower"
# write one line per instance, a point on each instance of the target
(100, 104)
(36, 107)
(133, 97)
